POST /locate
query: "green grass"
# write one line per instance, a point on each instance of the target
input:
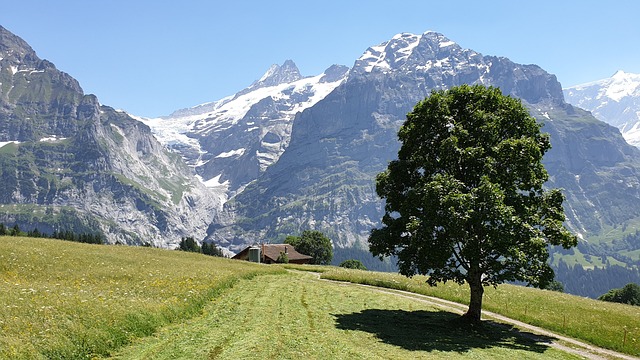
(600, 323)
(67, 300)
(295, 317)
(312, 268)
(175, 187)
(577, 258)
(635, 254)
(609, 233)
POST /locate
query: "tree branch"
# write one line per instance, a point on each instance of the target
(463, 263)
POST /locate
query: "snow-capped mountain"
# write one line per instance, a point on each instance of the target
(615, 100)
(287, 153)
(325, 179)
(231, 141)
(439, 62)
(413, 52)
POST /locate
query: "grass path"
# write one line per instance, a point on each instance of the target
(295, 316)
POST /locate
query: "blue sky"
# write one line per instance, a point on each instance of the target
(153, 57)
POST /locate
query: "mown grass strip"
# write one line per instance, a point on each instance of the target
(608, 325)
(69, 300)
(296, 317)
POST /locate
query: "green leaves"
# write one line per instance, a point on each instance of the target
(313, 243)
(629, 294)
(466, 192)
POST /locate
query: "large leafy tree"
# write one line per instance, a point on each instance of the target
(313, 243)
(465, 198)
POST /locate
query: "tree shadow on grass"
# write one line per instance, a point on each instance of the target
(439, 330)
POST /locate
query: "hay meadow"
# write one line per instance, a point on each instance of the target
(65, 300)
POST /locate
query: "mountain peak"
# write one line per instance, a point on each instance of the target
(625, 77)
(334, 73)
(404, 49)
(624, 85)
(615, 100)
(620, 85)
(278, 74)
(620, 74)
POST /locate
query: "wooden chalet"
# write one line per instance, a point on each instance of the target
(269, 254)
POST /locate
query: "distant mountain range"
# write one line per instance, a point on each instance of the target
(230, 142)
(615, 100)
(286, 154)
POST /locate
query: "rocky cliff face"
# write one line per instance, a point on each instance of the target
(615, 100)
(67, 162)
(325, 178)
(597, 169)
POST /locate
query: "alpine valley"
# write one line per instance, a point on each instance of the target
(288, 153)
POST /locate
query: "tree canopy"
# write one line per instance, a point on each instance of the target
(189, 244)
(465, 199)
(313, 243)
(629, 294)
(353, 264)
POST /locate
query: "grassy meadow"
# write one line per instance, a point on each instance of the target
(61, 299)
(65, 300)
(608, 325)
(297, 317)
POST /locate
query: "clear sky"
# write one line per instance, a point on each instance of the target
(151, 57)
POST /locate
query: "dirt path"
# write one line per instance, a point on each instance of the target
(560, 342)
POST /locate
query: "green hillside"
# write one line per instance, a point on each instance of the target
(64, 300)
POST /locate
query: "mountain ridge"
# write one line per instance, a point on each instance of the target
(286, 154)
(229, 142)
(69, 163)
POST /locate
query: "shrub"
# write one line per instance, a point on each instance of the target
(353, 264)
(313, 243)
(189, 244)
(629, 294)
(283, 258)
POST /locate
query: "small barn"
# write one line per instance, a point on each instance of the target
(269, 253)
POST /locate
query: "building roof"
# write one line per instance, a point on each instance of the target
(273, 251)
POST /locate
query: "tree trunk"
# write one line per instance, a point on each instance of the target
(475, 303)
